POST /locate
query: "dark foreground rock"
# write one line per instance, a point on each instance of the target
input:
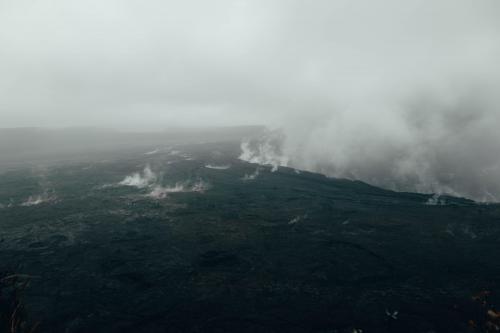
(284, 252)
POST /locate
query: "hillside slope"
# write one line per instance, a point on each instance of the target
(190, 239)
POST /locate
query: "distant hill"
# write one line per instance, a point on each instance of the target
(28, 145)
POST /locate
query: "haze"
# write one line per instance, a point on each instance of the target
(402, 95)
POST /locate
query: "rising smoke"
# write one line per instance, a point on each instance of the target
(411, 105)
(430, 146)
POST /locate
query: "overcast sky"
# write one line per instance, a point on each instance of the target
(403, 94)
(155, 63)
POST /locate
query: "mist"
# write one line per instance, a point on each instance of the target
(402, 95)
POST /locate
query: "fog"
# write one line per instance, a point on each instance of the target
(401, 94)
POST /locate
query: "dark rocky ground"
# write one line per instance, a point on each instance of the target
(284, 252)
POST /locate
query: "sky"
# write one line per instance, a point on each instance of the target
(398, 93)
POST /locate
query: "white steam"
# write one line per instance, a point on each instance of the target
(8, 205)
(402, 95)
(140, 180)
(34, 200)
(264, 152)
(217, 167)
(148, 179)
(161, 192)
(251, 176)
(152, 152)
(437, 149)
(297, 219)
(436, 200)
